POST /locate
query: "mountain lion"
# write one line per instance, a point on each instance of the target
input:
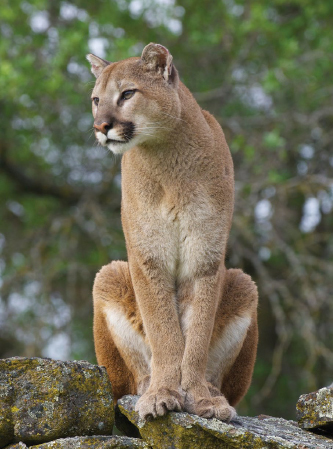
(172, 324)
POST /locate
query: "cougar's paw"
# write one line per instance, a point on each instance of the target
(210, 407)
(222, 410)
(159, 403)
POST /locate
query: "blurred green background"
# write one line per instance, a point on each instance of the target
(265, 70)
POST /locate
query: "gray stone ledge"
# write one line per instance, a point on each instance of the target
(93, 442)
(183, 431)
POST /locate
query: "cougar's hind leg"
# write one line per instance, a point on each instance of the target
(234, 341)
(108, 355)
(120, 341)
(237, 381)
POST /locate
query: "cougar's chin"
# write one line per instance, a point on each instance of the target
(119, 146)
(116, 145)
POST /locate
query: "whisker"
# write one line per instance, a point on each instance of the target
(155, 123)
(91, 130)
(147, 134)
(153, 127)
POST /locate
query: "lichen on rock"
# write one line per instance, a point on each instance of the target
(183, 431)
(19, 445)
(315, 410)
(49, 404)
(96, 442)
(43, 399)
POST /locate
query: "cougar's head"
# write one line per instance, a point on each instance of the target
(135, 101)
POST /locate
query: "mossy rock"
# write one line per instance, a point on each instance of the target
(19, 445)
(183, 431)
(315, 410)
(97, 442)
(42, 400)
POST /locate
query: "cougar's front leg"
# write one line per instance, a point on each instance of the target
(155, 294)
(206, 294)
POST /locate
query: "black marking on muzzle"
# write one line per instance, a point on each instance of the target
(127, 132)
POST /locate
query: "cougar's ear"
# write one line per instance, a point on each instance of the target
(157, 58)
(97, 64)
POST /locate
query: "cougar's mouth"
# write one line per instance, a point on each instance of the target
(120, 132)
(120, 138)
(113, 141)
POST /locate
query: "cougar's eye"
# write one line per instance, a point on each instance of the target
(127, 94)
(96, 100)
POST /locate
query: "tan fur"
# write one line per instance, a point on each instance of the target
(172, 324)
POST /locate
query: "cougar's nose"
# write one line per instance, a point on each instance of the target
(103, 128)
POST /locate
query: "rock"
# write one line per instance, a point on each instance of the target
(315, 410)
(125, 426)
(42, 400)
(97, 442)
(184, 431)
(19, 445)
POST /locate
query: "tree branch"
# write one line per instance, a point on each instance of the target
(37, 186)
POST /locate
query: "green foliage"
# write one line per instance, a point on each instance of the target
(265, 70)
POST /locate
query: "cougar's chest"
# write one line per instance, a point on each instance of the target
(172, 220)
(185, 218)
